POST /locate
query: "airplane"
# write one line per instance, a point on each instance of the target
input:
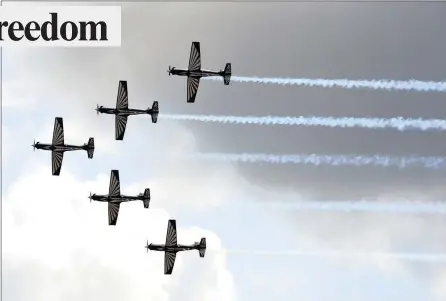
(114, 198)
(171, 248)
(122, 110)
(194, 72)
(58, 146)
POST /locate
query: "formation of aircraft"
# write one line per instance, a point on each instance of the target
(114, 198)
(58, 146)
(171, 247)
(122, 110)
(194, 72)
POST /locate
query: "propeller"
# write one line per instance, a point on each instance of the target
(147, 246)
(170, 70)
(97, 109)
(34, 145)
(90, 197)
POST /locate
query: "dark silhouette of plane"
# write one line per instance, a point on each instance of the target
(194, 72)
(115, 198)
(58, 146)
(122, 111)
(171, 248)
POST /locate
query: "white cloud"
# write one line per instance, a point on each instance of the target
(64, 248)
(6, 147)
(58, 246)
(14, 96)
(439, 285)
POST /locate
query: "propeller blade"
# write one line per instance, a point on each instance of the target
(97, 109)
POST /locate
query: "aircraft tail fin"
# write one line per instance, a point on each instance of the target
(90, 148)
(155, 112)
(227, 74)
(146, 199)
(202, 247)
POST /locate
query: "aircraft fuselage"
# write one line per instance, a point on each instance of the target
(62, 148)
(116, 199)
(177, 248)
(124, 112)
(196, 73)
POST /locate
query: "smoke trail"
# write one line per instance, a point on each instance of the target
(397, 85)
(332, 160)
(398, 123)
(428, 207)
(420, 257)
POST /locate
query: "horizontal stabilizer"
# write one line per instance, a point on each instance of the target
(227, 74)
(146, 196)
(155, 112)
(202, 247)
(90, 148)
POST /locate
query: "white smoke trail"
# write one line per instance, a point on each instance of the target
(332, 160)
(420, 257)
(398, 123)
(424, 207)
(401, 85)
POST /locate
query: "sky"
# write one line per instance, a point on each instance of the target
(57, 245)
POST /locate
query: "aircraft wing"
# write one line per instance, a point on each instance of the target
(171, 236)
(114, 189)
(169, 262)
(58, 134)
(113, 211)
(120, 125)
(56, 162)
(195, 57)
(192, 88)
(122, 101)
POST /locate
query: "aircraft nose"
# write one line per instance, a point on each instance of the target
(147, 246)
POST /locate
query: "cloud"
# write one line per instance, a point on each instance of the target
(6, 147)
(58, 246)
(64, 248)
(438, 285)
